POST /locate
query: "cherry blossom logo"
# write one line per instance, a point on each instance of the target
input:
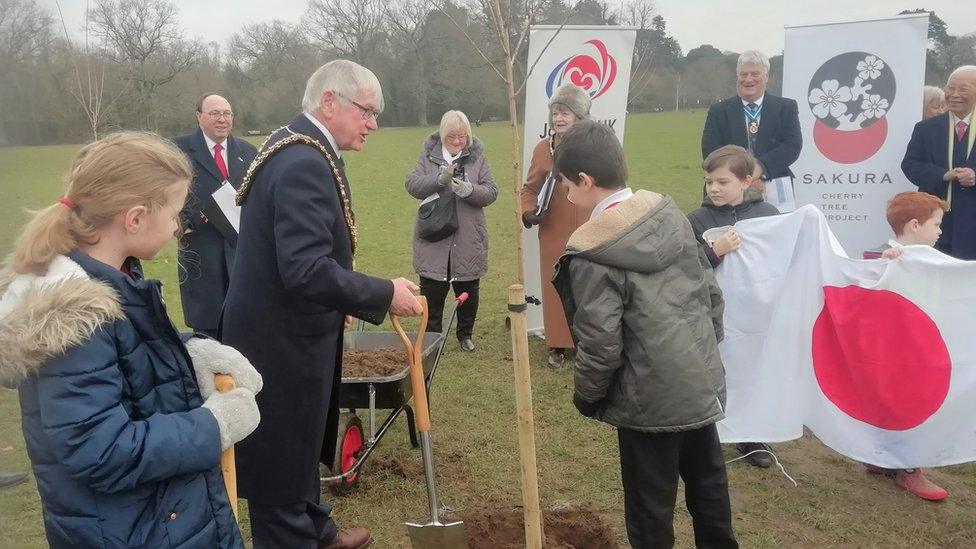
(850, 96)
(594, 71)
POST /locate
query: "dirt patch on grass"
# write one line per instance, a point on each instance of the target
(403, 468)
(368, 363)
(449, 467)
(495, 527)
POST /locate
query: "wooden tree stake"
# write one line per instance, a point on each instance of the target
(526, 425)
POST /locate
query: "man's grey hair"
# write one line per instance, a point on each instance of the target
(753, 56)
(343, 77)
(962, 69)
(932, 93)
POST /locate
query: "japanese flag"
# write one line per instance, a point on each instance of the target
(876, 357)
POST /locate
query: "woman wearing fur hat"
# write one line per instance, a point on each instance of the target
(568, 104)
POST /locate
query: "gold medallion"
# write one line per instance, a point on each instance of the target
(753, 127)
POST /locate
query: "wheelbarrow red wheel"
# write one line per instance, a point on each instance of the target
(349, 444)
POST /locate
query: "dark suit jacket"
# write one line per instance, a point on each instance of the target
(926, 161)
(778, 142)
(291, 287)
(206, 252)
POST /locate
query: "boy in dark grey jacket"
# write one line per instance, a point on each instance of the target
(728, 174)
(646, 316)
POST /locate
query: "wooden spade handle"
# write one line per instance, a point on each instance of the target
(415, 358)
(228, 466)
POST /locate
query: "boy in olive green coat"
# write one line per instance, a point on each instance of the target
(646, 315)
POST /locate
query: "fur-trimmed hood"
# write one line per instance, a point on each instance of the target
(637, 234)
(43, 316)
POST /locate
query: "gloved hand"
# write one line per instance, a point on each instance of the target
(588, 409)
(237, 415)
(462, 187)
(447, 172)
(211, 357)
(529, 219)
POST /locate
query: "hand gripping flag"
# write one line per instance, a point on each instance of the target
(877, 358)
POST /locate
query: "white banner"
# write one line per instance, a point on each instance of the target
(597, 59)
(859, 89)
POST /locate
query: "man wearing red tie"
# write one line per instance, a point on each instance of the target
(206, 251)
(941, 159)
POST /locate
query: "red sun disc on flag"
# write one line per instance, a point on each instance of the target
(879, 358)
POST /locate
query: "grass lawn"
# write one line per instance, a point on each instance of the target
(836, 504)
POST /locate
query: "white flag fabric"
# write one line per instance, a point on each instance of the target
(877, 358)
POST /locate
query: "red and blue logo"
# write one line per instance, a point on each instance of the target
(594, 71)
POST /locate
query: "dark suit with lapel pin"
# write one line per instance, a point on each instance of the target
(206, 251)
(778, 142)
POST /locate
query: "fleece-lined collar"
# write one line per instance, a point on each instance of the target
(43, 316)
(640, 234)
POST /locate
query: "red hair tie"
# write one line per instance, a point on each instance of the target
(68, 202)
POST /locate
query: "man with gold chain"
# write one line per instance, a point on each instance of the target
(292, 287)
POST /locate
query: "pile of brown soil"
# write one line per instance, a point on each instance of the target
(373, 362)
(564, 528)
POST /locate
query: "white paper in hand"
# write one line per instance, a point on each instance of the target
(779, 193)
(226, 198)
(545, 195)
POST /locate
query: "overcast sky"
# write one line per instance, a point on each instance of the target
(726, 24)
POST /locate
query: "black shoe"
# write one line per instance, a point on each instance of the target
(12, 479)
(466, 344)
(761, 458)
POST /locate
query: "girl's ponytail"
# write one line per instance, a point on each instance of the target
(46, 235)
(109, 176)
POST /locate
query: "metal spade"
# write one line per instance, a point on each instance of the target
(433, 534)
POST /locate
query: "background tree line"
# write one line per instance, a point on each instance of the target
(135, 68)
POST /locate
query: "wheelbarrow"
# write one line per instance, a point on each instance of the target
(372, 394)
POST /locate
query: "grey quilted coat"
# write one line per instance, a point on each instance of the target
(644, 308)
(467, 249)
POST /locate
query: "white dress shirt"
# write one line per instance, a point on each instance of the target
(955, 120)
(223, 152)
(619, 196)
(758, 103)
(323, 129)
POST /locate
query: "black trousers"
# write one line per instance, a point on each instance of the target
(436, 292)
(650, 464)
(300, 525)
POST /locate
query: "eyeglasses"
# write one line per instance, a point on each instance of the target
(366, 111)
(215, 115)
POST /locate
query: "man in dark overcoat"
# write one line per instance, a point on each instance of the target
(941, 158)
(206, 251)
(291, 289)
(764, 124)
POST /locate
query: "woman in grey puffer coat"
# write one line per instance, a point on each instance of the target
(453, 165)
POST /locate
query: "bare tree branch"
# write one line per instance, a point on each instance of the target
(528, 73)
(471, 40)
(349, 28)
